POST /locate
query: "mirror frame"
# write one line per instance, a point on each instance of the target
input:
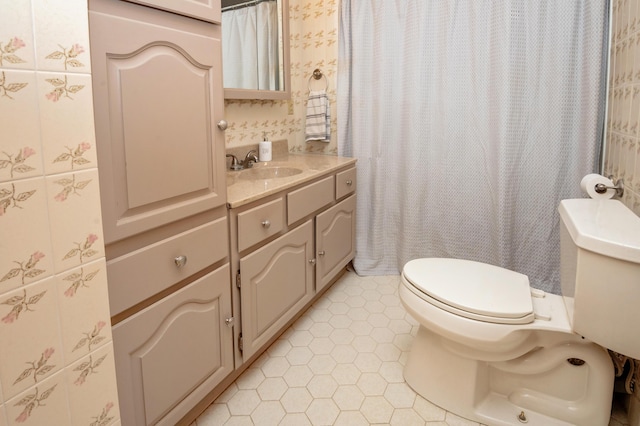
(286, 65)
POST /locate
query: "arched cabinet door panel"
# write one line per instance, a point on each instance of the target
(277, 282)
(335, 240)
(157, 96)
(170, 355)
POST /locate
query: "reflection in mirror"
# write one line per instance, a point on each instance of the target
(254, 49)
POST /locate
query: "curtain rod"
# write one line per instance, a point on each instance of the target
(242, 5)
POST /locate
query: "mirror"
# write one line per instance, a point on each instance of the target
(255, 49)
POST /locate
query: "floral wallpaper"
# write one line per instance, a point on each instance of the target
(622, 157)
(56, 354)
(313, 32)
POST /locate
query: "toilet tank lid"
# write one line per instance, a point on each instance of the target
(605, 227)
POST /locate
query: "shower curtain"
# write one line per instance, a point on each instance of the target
(470, 121)
(250, 47)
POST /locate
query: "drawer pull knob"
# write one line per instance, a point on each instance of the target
(266, 223)
(349, 182)
(222, 125)
(321, 253)
(230, 322)
(312, 261)
(180, 261)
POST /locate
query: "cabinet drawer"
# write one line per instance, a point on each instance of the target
(207, 10)
(260, 222)
(310, 198)
(140, 274)
(170, 355)
(345, 183)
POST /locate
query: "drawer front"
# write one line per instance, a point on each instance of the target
(207, 10)
(140, 274)
(307, 200)
(345, 183)
(260, 222)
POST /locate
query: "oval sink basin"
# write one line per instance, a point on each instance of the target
(268, 173)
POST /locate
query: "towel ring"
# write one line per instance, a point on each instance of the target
(317, 75)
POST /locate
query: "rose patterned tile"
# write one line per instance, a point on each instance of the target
(66, 118)
(42, 404)
(93, 396)
(25, 251)
(84, 309)
(21, 154)
(28, 321)
(61, 35)
(74, 212)
(16, 37)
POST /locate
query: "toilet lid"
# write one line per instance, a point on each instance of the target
(472, 289)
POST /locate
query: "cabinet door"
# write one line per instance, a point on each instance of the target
(171, 354)
(157, 96)
(276, 283)
(335, 240)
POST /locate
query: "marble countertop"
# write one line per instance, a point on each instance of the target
(243, 188)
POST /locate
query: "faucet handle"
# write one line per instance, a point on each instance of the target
(250, 158)
(235, 164)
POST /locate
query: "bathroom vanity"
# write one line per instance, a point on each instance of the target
(290, 237)
(205, 267)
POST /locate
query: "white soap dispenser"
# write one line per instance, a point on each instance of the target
(264, 148)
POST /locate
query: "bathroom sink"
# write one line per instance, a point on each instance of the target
(269, 172)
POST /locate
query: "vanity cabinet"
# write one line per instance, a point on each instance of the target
(286, 248)
(157, 81)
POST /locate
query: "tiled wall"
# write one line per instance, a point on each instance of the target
(56, 355)
(623, 125)
(313, 27)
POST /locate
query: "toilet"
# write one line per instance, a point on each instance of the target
(494, 350)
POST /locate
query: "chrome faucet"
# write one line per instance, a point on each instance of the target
(250, 158)
(235, 164)
(248, 161)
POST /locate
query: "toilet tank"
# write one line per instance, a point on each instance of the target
(600, 272)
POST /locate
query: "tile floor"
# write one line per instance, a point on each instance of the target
(339, 364)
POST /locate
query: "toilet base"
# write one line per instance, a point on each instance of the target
(541, 384)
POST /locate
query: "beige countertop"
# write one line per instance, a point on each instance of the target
(243, 187)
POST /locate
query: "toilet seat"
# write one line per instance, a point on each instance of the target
(471, 289)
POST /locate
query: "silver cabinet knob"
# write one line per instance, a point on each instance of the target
(266, 224)
(230, 322)
(222, 125)
(312, 261)
(321, 253)
(349, 182)
(180, 261)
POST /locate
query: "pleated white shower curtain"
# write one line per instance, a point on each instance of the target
(470, 121)
(250, 47)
